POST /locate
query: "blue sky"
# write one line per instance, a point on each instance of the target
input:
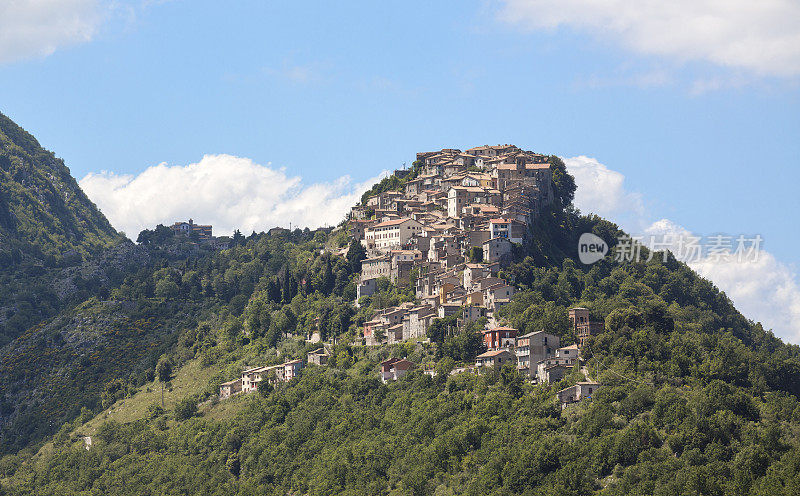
(702, 124)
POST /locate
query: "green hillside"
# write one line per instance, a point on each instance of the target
(696, 399)
(43, 212)
(50, 235)
(186, 305)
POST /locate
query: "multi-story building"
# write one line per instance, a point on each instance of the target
(583, 326)
(203, 232)
(511, 229)
(459, 197)
(497, 250)
(499, 338)
(373, 268)
(533, 347)
(292, 369)
(391, 233)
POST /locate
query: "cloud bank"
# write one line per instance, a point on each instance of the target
(762, 37)
(602, 191)
(764, 290)
(37, 28)
(223, 190)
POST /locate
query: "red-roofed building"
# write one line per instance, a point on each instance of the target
(395, 368)
(499, 338)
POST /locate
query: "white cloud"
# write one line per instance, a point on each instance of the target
(761, 36)
(602, 191)
(37, 28)
(763, 289)
(225, 191)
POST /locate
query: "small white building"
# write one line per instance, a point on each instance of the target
(494, 358)
(395, 368)
(576, 393)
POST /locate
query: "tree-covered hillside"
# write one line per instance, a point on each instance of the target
(43, 212)
(48, 228)
(695, 398)
(186, 304)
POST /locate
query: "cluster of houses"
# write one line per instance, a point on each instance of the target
(203, 234)
(538, 355)
(448, 233)
(250, 378)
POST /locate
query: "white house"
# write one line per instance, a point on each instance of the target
(392, 233)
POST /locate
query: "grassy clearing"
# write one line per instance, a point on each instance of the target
(190, 379)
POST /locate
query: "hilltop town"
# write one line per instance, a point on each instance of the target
(448, 232)
(447, 226)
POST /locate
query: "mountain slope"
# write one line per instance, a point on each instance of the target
(43, 212)
(48, 229)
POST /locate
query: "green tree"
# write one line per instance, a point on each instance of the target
(164, 374)
(185, 409)
(356, 253)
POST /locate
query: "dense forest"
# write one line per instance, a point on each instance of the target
(696, 399)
